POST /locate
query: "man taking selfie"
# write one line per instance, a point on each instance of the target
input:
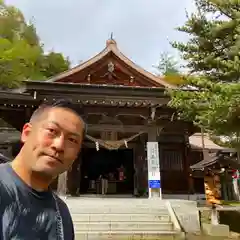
(29, 210)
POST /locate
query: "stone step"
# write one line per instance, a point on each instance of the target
(114, 202)
(118, 210)
(124, 211)
(120, 217)
(116, 206)
(101, 198)
(122, 226)
(123, 235)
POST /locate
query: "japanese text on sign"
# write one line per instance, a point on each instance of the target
(153, 157)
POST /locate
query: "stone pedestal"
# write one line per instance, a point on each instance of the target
(187, 214)
(219, 230)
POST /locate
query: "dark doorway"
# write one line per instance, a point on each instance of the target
(107, 163)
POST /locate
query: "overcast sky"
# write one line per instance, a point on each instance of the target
(80, 28)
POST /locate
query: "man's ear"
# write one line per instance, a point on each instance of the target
(27, 128)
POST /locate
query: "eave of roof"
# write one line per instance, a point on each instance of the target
(15, 95)
(205, 163)
(215, 158)
(94, 88)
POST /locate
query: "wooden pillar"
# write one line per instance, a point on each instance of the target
(191, 184)
(224, 186)
(135, 166)
(62, 184)
(140, 178)
(73, 181)
(186, 165)
(152, 134)
(70, 181)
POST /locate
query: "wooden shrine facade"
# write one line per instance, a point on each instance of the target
(122, 104)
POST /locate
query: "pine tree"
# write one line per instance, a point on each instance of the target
(212, 55)
(214, 46)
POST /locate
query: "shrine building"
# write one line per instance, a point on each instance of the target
(124, 107)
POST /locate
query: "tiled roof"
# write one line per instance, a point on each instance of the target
(196, 142)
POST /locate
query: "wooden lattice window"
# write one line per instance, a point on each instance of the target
(171, 160)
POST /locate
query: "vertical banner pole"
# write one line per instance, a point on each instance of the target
(154, 178)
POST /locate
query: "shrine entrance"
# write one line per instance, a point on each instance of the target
(115, 166)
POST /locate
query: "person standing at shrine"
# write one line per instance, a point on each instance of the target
(29, 209)
(104, 183)
(121, 173)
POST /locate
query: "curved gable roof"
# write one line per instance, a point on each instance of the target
(112, 48)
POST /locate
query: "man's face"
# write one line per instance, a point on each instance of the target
(53, 143)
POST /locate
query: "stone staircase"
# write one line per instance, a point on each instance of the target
(121, 218)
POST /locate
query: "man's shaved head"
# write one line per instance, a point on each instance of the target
(43, 110)
(39, 113)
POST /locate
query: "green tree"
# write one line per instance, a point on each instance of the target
(213, 48)
(21, 53)
(169, 69)
(18, 61)
(167, 65)
(54, 63)
(11, 22)
(211, 97)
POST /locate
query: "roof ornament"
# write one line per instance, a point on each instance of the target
(131, 79)
(111, 67)
(89, 77)
(110, 71)
(111, 40)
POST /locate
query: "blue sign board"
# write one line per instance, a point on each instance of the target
(154, 184)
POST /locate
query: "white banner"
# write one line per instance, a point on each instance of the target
(153, 157)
